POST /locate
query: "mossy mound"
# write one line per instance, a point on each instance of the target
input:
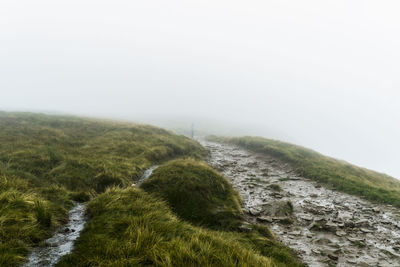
(129, 227)
(196, 193)
(47, 162)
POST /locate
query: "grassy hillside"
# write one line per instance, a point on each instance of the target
(46, 162)
(129, 227)
(197, 193)
(338, 174)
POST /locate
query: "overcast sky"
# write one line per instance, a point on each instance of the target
(323, 74)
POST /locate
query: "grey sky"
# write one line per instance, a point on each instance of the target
(324, 74)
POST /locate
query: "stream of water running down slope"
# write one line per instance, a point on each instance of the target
(61, 243)
(328, 228)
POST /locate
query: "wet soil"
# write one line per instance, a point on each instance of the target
(147, 173)
(61, 242)
(325, 227)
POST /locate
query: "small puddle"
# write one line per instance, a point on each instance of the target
(61, 243)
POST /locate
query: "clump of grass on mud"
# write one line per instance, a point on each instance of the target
(129, 227)
(275, 187)
(197, 193)
(47, 162)
(338, 174)
(202, 196)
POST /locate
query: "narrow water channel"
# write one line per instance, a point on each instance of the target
(147, 173)
(61, 242)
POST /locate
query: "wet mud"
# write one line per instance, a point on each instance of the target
(325, 227)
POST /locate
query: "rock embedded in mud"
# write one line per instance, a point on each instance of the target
(278, 208)
(375, 209)
(340, 224)
(316, 251)
(330, 226)
(366, 230)
(295, 233)
(306, 218)
(333, 257)
(354, 239)
(283, 220)
(264, 219)
(351, 261)
(254, 212)
(276, 195)
(349, 224)
(323, 241)
(340, 233)
(362, 222)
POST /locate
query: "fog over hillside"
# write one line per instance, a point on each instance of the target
(322, 74)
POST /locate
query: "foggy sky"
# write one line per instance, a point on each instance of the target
(323, 74)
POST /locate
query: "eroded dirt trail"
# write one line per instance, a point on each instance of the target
(326, 228)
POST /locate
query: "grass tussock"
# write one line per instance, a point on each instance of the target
(43, 215)
(26, 217)
(338, 174)
(129, 227)
(276, 187)
(197, 193)
(47, 162)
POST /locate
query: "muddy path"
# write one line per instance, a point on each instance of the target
(61, 242)
(325, 227)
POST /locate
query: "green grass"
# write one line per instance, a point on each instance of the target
(27, 216)
(337, 174)
(129, 227)
(276, 187)
(47, 162)
(197, 193)
(200, 195)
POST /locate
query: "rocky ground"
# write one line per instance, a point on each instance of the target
(325, 227)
